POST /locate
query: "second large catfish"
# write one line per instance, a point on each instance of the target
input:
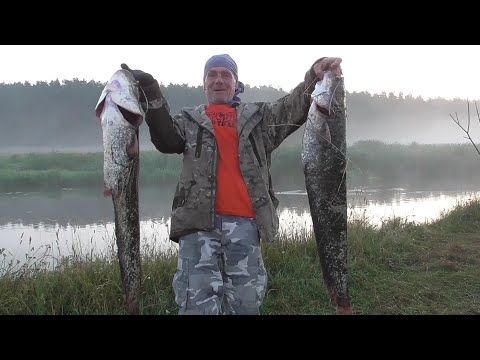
(324, 164)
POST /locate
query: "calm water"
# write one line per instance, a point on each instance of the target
(71, 221)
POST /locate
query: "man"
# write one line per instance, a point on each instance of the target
(224, 204)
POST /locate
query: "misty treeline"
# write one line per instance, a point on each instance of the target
(61, 115)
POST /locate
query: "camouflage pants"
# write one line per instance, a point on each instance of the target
(221, 272)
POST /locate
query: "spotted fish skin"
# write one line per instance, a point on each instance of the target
(324, 165)
(120, 115)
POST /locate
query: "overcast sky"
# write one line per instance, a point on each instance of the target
(447, 71)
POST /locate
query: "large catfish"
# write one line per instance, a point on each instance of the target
(120, 115)
(324, 164)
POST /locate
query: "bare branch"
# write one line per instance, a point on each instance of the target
(467, 130)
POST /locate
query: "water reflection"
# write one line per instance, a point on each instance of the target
(419, 206)
(70, 221)
(76, 207)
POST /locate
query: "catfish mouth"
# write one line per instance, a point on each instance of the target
(132, 118)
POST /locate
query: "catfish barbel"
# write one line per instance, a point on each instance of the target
(324, 165)
(120, 115)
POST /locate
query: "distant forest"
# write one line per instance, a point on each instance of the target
(60, 116)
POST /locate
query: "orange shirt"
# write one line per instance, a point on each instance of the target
(232, 194)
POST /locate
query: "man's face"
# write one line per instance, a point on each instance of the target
(219, 85)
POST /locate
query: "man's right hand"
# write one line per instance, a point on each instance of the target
(328, 63)
(144, 79)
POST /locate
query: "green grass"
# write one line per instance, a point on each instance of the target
(398, 267)
(370, 163)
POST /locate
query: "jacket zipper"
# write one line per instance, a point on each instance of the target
(198, 151)
(255, 150)
(214, 170)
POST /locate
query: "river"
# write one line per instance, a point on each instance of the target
(73, 221)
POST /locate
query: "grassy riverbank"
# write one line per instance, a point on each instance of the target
(396, 268)
(371, 163)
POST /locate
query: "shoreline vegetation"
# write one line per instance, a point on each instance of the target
(396, 268)
(370, 163)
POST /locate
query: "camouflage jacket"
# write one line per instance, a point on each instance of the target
(262, 126)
